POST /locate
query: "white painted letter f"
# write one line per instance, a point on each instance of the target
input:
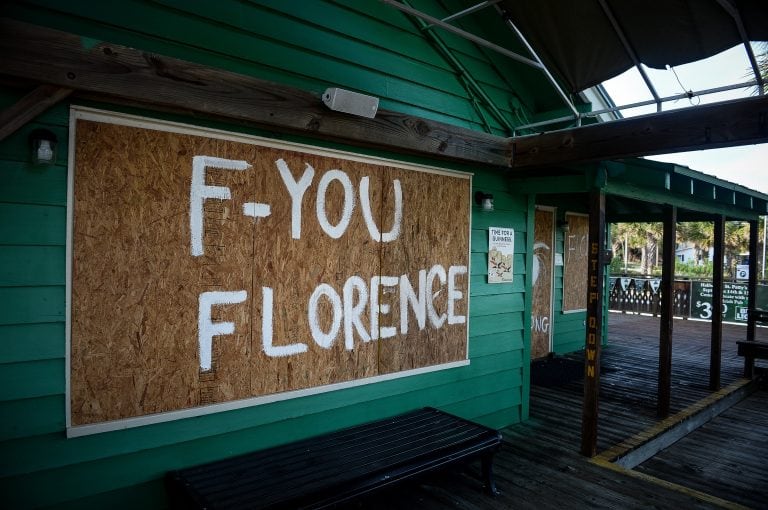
(200, 191)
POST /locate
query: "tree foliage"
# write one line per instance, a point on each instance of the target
(762, 64)
(644, 240)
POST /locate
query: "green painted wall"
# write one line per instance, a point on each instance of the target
(357, 45)
(313, 44)
(33, 447)
(124, 468)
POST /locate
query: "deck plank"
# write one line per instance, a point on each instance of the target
(727, 457)
(539, 466)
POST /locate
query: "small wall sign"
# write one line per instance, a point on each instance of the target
(501, 247)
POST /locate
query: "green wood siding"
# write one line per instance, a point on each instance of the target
(123, 468)
(364, 46)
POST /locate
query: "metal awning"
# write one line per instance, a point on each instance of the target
(586, 42)
(579, 44)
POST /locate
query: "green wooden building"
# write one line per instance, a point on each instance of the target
(446, 104)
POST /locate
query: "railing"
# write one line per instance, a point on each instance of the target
(692, 298)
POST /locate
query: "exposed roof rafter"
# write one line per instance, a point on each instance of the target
(535, 62)
(631, 52)
(730, 9)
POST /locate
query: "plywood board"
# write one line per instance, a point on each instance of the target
(279, 252)
(541, 306)
(432, 265)
(575, 263)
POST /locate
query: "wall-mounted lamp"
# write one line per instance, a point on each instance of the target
(43, 147)
(563, 225)
(340, 100)
(484, 200)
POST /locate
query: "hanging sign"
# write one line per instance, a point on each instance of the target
(501, 248)
(742, 272)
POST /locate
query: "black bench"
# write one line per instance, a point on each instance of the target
(325, 470)
(753, 349)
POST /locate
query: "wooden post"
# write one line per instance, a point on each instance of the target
(667, 311)
(595, 286)
(716, 346)
(752, 295)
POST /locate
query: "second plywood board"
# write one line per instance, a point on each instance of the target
(575, 255)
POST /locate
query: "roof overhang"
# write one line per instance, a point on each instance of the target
(638, 190)
(586, 42)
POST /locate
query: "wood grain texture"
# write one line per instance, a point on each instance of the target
(435, 231)
(727, 124)
(666, 322)
(594, 323)
(542, 283)
(575, 263)
(136, 286)
(113, 71)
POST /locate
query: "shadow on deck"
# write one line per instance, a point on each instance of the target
(720, 465)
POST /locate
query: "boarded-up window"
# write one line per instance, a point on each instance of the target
(209, 268)
(575, 242)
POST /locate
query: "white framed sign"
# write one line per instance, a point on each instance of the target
(501, 249)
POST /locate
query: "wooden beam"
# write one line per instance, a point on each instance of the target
(727, 124)
(29, 107)
(112, 72)
(667, 311)
(716, 339)
(594, 332)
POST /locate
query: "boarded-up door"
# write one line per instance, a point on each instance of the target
(541, 311)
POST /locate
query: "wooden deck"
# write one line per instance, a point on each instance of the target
(727, 457)
(721, 465)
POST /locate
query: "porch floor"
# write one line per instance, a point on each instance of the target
(723, 464)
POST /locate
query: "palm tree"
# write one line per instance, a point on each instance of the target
(762, 64)
(645, 235)
(626, 235)
(700, 233)
(736, 243)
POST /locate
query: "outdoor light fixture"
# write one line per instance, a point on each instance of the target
(43, 145)
(563, 225)
(346, 101)
(484, 200)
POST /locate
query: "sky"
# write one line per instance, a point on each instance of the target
(745, 165)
